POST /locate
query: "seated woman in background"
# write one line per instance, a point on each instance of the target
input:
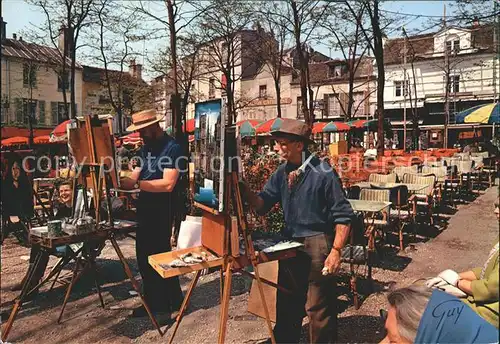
(418, 314)
(17, 201)
(477, 287)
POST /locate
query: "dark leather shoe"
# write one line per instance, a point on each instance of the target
(17, 287)
(163, 318)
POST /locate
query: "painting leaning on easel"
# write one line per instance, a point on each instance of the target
(209, 154)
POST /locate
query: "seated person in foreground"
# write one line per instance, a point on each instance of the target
(418, 314)
(478, 287)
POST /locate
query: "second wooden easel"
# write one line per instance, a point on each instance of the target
(231, 261)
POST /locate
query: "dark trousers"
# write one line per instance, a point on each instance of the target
(312, 293)
(153, 236)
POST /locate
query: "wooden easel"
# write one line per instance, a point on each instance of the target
(231, 261)
(100, 176)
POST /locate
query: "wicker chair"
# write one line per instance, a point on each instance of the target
(402, 205)
(441, 173)
(42, 203)
(382, 178)
(376, 221)
(490, 170)
(462, 156)
(481, 154)
(424, 197)
(356, 253)
(400, 171)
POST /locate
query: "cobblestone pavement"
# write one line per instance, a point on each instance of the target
(459, 242)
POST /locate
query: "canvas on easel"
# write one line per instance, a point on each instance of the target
(92, 147)
(209, 154)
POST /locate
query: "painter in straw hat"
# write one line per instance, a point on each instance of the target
(143, 119)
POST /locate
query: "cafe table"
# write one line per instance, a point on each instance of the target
(369, 209)
(85, 258)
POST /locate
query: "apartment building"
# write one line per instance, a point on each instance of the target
(31, 85)
(330, 83)
(209, 81)
(418, 69)
(129, 92)
(260, 89)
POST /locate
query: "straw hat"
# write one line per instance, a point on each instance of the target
(143, 119)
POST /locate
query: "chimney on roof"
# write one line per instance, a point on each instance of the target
(138, 71)
(475, 22)
(20, 38)
(65, 40)
(3, 27)
(14, 36)
(134, 69)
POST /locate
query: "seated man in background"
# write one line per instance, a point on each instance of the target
(418, 314)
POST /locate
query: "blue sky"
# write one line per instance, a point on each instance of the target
(19, 15)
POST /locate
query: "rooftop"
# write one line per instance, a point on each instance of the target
(17, 48)
(423, 45)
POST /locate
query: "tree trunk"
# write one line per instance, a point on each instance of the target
(379, 57)
(176, 113)
(119, 115)
(31, 115)
(72, 81)
(277, 87)
(302, 63)
(230, 100)
(63, 84)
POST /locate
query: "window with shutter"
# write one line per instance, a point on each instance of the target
(29, 75)
(211, 88)
(334, 109)
(344, 102)
(54, 113)
(18, 103)
(300, 114)
(366, 97)
(61, 112)
(41, 112)
(29, 110)
(357, 103)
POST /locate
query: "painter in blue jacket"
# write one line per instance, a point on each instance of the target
(421, 315)
(318, 215)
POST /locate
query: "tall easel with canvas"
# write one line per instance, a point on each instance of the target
(220, 247)
(96, 161)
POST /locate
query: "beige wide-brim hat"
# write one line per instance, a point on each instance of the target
(294, 130)
(143, 119)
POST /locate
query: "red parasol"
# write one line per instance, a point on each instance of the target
(59, 132)
(252, 122)
(270, 125)
(318, 127)
(43, 139)
(16, 140)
